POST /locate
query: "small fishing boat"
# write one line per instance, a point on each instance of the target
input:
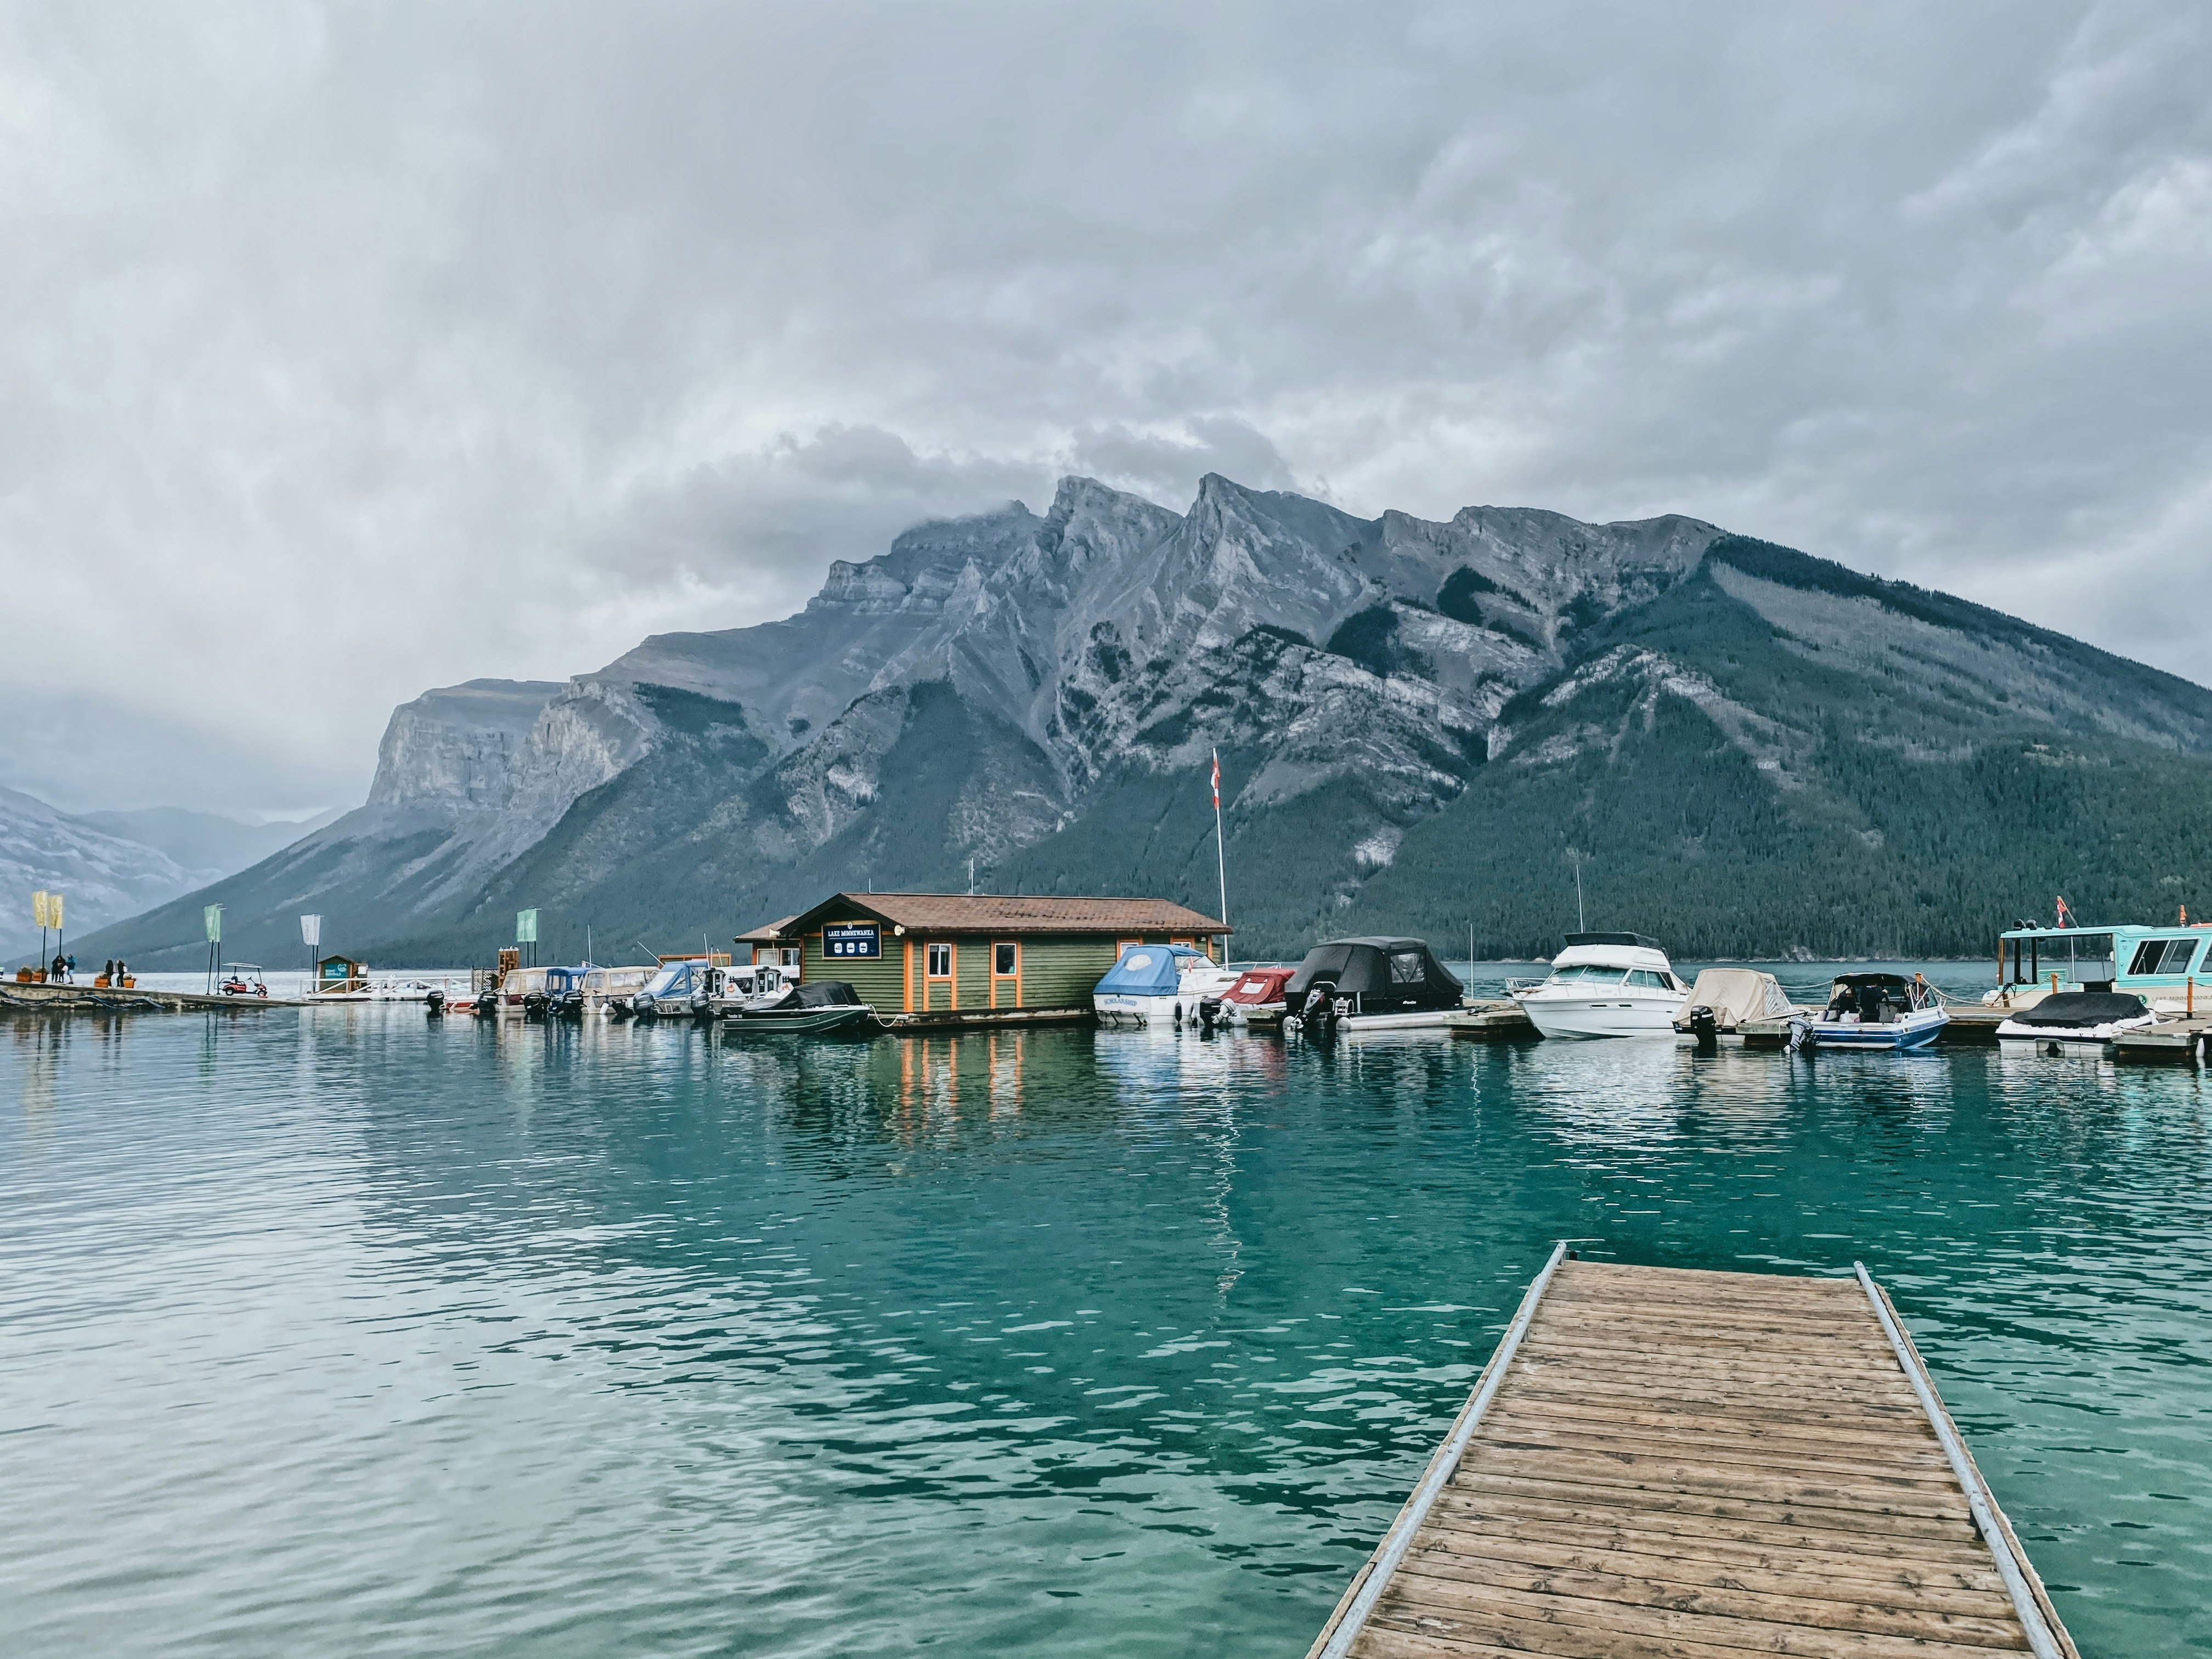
(818, 1008)
(2077, 1022)
(1354, 985)
(1726, 999)
(1604, 985)
(1256, 999)
(1872, 1010)
(607, 992)
(731, 990)
(1157, 984)
(683, 989)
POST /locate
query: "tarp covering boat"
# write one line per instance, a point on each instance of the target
(1736, 996)
(1383, 973)
(815, 994)
(1147, 970)
(1258, 986)
(2080, 1010)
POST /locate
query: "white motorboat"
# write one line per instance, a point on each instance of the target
(2077, 1022)
(1162, 984)
(1872, 1010)
(1604, 985)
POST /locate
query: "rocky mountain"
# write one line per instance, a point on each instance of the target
(1416, 722)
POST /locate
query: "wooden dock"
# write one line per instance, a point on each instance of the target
(1662, 1464)
(39, 997)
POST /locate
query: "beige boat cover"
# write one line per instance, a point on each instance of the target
(1735, 996)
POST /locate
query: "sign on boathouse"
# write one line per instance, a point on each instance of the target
(846, 939)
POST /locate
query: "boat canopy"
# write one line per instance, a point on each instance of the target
(1735, 996)
(1397, 969)
(674, 979)
(1148, 970)
(2079, 1010)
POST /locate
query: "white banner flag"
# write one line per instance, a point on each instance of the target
(310, 931)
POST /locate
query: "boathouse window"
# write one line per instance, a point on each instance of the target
(940, 962)
(2163, 956)
(1406, 968)
(1002, 958)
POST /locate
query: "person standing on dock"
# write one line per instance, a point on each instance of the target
(57, 971)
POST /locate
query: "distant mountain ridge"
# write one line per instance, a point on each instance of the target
(110, 865)
(1417, 720)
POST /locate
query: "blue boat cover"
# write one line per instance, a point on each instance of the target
(1146, 971)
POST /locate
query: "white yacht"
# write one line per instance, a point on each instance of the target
(1604, 985)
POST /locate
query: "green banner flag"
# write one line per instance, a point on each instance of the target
(213, 914)
(526, 926)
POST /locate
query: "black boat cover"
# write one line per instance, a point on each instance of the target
(815, 994)
(1386, 975)
(1641, 941)
(2074, 1011)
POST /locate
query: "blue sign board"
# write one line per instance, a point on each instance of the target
(843, 941)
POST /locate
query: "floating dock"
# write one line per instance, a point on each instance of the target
(38, 998)
(1666, 1464)
(1495, 1022)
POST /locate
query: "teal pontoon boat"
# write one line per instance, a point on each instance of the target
(2167, 967)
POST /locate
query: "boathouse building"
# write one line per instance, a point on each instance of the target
(932, 952)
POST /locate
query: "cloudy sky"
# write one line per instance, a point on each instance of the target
(349, 350)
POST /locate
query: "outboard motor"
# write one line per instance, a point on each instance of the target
(1317, 1018)
(487, 1004)
(1802, 1038)
(1706, 1028)
(434, 1004)
(1209, 1013)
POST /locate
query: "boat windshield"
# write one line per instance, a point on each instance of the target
(1590, 972)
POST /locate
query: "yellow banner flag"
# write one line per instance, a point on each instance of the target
(38, 911)
(54, 910)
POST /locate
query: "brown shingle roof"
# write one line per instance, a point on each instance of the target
(993, 913)
(766, 935)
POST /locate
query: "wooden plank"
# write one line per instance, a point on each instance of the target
(1628, 1524)
(1830, 1575)
(1734, 1508)
(1563, 1410)
(1758, 1461)
(1587, 1629)
(1440, 1579)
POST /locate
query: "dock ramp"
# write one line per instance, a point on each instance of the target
(1669, 1464)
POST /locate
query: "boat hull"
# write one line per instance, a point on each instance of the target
(802, 1022)
(1915, 1030)
(1623, 1013)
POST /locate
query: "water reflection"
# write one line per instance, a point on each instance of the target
(1113, 1342)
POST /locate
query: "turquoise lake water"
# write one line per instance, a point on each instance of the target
(343, 1333)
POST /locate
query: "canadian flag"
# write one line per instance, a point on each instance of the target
(1217, 779)
(2062, 913)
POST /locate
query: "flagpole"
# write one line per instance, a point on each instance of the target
(1220, 854)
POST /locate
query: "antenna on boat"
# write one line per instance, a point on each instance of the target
(1576, 858)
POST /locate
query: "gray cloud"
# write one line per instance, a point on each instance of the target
(349, 350)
